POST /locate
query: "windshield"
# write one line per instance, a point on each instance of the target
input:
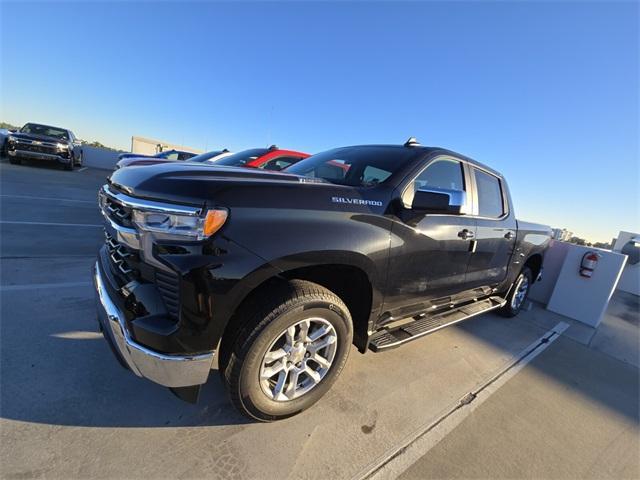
(355, 166)
(45, 130)
(166, 154)
(203, 157)
(241, 158)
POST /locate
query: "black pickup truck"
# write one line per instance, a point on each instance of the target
(43, 142)
(277, 273)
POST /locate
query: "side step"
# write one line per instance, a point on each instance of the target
(387, 339)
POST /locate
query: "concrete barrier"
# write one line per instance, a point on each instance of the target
(566, 292)
(586, 299)
(97, 157)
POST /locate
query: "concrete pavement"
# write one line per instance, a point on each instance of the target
(571, 413)
(68, 410)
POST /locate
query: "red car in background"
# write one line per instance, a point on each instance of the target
(272, 158)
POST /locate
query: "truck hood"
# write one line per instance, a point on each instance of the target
(129, 161)
(39, 138)
(197, 184)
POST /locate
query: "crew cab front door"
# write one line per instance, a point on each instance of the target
(429, 252)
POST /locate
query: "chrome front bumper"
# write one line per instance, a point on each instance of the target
(39, 156)
(168, 370)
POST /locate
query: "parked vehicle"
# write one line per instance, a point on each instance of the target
(44, 142)
(203, 157)
(277, 273)
(172, 154)
(272, 158)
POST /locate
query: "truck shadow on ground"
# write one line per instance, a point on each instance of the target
(75, 381)
(83, 385)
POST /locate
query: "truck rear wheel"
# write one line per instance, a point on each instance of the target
(289, 353)
(518, 293)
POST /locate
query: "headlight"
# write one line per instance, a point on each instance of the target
(179, 225)
(63, 146)
(12, 139)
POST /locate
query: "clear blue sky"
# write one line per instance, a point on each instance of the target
(546, 92)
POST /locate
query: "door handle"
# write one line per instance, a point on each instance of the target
(509, 235)
(465, 234)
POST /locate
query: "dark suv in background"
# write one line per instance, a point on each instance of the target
(44, 142)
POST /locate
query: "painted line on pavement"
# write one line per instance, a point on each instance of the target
(51, 224)
(418, 444)
(82, 169)
(28, 197)
(40, 286)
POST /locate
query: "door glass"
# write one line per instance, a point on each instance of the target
(442, 174)
(489, 195)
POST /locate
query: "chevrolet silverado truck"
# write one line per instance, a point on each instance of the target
(277, 274)
(43, 142)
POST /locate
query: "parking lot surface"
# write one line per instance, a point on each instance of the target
(68, 410)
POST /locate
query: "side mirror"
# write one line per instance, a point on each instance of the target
(439, 200)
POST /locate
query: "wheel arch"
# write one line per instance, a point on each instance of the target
(349, 277)
(534, 262)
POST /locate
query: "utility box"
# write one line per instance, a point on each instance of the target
(585, 298)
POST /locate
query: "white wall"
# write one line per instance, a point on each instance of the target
(150, 146)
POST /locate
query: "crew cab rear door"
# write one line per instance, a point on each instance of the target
(430, 252)
(496, 229)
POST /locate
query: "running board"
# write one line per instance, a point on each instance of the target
(387, 339)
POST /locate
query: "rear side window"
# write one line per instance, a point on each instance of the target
(445, 174)
(489, 195)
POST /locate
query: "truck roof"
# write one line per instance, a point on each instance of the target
(428, 150)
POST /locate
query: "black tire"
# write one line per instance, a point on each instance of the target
(268, 316)
(513, 307)
(14, 161)
(79, 162)
(69, 166)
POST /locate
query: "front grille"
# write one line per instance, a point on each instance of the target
(119, 256)
(168, 285)
(118, 212)
(30, 147)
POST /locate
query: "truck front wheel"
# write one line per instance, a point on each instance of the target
(289, 353)
(518, 293)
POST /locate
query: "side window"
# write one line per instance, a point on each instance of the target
(489, 195)
(442, 174)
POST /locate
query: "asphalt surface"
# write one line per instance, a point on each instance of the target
(68, 410)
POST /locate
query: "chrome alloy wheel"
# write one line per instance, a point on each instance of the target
(298, 359)
(522, 286)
